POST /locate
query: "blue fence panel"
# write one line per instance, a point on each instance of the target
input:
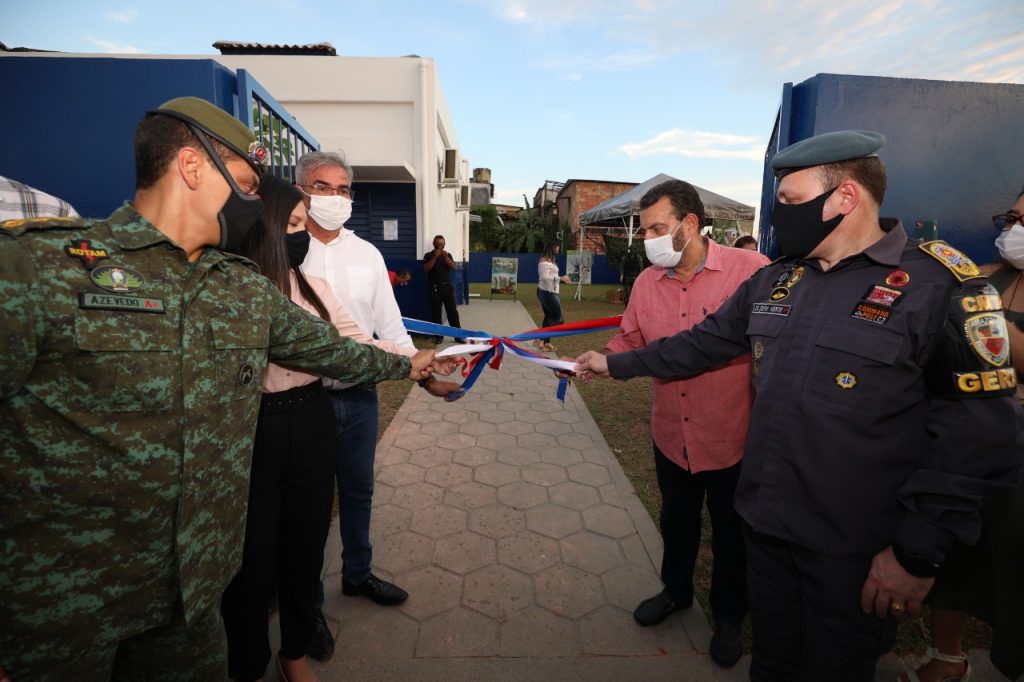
(73, 137)
(480, 267)
(952, 154)
(280, 132)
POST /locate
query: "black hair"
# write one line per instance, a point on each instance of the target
(158, 138)
(265, 243)
(549, 251)
(683, 196)
(403, 272)
(743, 241)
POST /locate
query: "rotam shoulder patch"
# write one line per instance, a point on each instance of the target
(957, 262)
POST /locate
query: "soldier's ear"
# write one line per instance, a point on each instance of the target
(190, 166)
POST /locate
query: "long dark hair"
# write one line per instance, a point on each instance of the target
(265, 243)
(549, 251)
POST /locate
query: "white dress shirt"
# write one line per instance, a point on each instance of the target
(359, 279)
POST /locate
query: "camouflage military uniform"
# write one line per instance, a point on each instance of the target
(129, 389)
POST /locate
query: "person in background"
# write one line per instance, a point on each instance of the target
(548, 280)
(883, 412)
(985, 580)
(698, 425)
(630, 267)
(745, 242)
(400, 277)
(438, 265)
(18, 200)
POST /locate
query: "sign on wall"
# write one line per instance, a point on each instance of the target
(391, 230)
(578, 265)
(504, 275)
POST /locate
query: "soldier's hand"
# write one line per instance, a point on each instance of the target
(449, 390)
(421, 365)
(591, 364)
(890, 590)
(445, 365)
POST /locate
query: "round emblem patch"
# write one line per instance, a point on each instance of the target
(897, 278)
(779, 293)
(116, 278)
(846, 380)
(796, 275)
(246, 374)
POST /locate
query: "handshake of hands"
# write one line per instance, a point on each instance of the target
(425, 364)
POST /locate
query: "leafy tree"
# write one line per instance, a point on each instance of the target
(483, 236)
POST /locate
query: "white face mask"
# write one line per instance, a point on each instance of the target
(660, 251)
(330, 213)
(1011, 245)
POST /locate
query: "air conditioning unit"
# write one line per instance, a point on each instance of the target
(463, 198)
(450, 169)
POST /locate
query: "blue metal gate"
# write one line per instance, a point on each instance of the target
(278, 130)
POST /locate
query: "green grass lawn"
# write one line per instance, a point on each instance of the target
(622, 411)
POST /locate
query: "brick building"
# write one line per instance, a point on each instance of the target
(578, 196)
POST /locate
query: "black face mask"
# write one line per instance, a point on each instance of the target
(799, 227)
(298, 247)
(240, 210)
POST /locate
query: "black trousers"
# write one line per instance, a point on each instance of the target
(289, 515)
(805, 609)
(443, 294)
(682, 500)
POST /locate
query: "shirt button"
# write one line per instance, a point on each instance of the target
(686, 419)
(684, 314)
(683, 394)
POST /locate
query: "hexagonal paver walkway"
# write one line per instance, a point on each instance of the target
(521, 542)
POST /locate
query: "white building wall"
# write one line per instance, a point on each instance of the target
(389, 116)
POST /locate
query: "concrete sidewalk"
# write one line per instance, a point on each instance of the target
(520, 540)
(522, 544)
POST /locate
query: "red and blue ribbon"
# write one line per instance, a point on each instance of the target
(491, 348)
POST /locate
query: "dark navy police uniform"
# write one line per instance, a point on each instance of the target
(883, 414)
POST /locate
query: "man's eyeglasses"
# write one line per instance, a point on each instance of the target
(1005, 221)
(322, 189)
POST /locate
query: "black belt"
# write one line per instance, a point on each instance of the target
(285, 401)
(365, 386)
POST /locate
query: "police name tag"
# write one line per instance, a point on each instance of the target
(771, 309)
(134, 304)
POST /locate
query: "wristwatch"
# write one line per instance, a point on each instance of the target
(423, 382)
(915, 564)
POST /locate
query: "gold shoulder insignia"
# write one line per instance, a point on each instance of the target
(962, 267)
(20, 225)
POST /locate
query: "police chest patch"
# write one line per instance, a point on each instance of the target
(846, 380)
(771, 309)
(116, 278)
(871, 313)
(84, 250)
(133, 304)
(988, 337)
(883, 295)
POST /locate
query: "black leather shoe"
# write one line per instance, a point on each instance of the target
(321, 645)
(656, 609)
(379, 591)
(726, 647)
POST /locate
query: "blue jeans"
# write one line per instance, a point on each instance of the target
(552, 308)
(355, 428)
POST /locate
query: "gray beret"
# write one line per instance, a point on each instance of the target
(841, 145)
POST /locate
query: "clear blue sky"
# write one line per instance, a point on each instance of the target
(598, 89)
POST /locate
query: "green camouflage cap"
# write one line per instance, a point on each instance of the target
(841, 145)
(219, 125)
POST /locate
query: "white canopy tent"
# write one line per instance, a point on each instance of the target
(621, 210)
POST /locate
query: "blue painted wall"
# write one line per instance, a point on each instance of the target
(69, 131)
(480, 267)
(953, 154)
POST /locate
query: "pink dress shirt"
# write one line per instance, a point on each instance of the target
(699, 423)
(278, 378)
